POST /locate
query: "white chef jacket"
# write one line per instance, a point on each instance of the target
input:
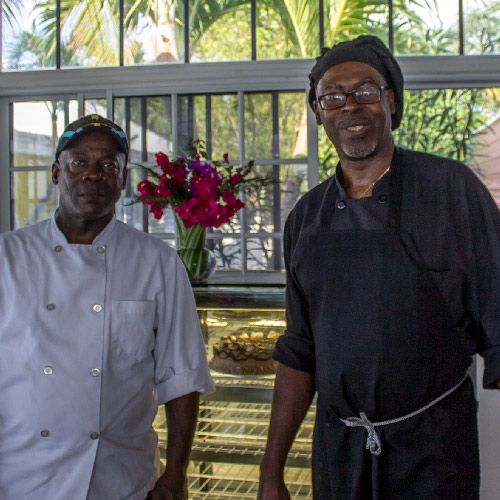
(92, 339)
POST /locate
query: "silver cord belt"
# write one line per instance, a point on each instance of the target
(373, 441)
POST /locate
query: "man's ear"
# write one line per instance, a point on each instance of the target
(125, 175)
(55, 172)
(392, 103)
(317, 112)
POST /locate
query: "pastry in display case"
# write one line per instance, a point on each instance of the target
(244, 354)
(240, 326)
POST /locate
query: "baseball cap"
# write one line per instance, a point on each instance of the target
(91, 123)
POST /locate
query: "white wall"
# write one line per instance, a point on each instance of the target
(4, 167)
(487, 155)
(489, 437)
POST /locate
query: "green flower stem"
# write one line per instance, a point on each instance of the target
(193, 237)
(192, 251)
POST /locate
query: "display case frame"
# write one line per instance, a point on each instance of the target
(233, 421)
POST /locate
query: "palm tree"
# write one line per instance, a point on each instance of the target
(8, 11)
(93, 25)
(91, 28)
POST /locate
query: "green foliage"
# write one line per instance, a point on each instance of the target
(346, 19)
(412, 35)
(443, 122)
(293, 125)
(274, 42)
(204, 14)
(220, 29)
(158, 112)
(10, 10)
(222, 40)
(41, 50)
(258, 126)
(224, 123)
(300, 17)
(482, 28)
(328, 157)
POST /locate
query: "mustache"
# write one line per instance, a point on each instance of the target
(353, 121)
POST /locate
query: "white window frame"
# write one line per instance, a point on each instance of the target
(421, 72)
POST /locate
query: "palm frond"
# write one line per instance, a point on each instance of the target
(10, 10)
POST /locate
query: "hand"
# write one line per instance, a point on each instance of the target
(172, 485)
(272, 489)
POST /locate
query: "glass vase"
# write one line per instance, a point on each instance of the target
(200, 262)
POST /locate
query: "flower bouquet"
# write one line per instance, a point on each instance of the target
(202, 194)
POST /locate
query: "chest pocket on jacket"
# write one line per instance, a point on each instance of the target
(132, 327)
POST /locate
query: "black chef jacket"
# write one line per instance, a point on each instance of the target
(455, 227)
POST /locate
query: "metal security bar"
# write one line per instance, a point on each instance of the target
(249, 382)
(234, 481)
(240, 429)
(228, 448)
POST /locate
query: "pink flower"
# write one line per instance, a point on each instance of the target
(157, 210)
(163, 162)
(200, 211)
(199, 191)
(146, 188)
(163, 191)
(202, 167)
(178, 174)
(204, 186)
(184, 212)
(235, 179)
(229, 198)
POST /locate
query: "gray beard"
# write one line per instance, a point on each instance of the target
(359, 152)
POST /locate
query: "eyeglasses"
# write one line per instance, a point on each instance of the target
(366, 95)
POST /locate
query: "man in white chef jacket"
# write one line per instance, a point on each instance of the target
(97, 327)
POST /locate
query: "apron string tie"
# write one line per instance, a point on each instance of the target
(373, 441)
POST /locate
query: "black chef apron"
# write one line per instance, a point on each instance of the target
(386, 346)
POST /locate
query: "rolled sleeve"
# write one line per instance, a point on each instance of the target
(483, 291)
(295, 352)
(180, 357)
(196, 380)
(491, 367)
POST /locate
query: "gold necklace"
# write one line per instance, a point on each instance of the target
(375, 181)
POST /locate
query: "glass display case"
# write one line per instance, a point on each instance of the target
(233, 422)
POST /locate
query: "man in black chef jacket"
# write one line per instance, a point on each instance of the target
(393, 283)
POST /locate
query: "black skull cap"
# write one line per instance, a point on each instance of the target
(92, 123)
(369, 50)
